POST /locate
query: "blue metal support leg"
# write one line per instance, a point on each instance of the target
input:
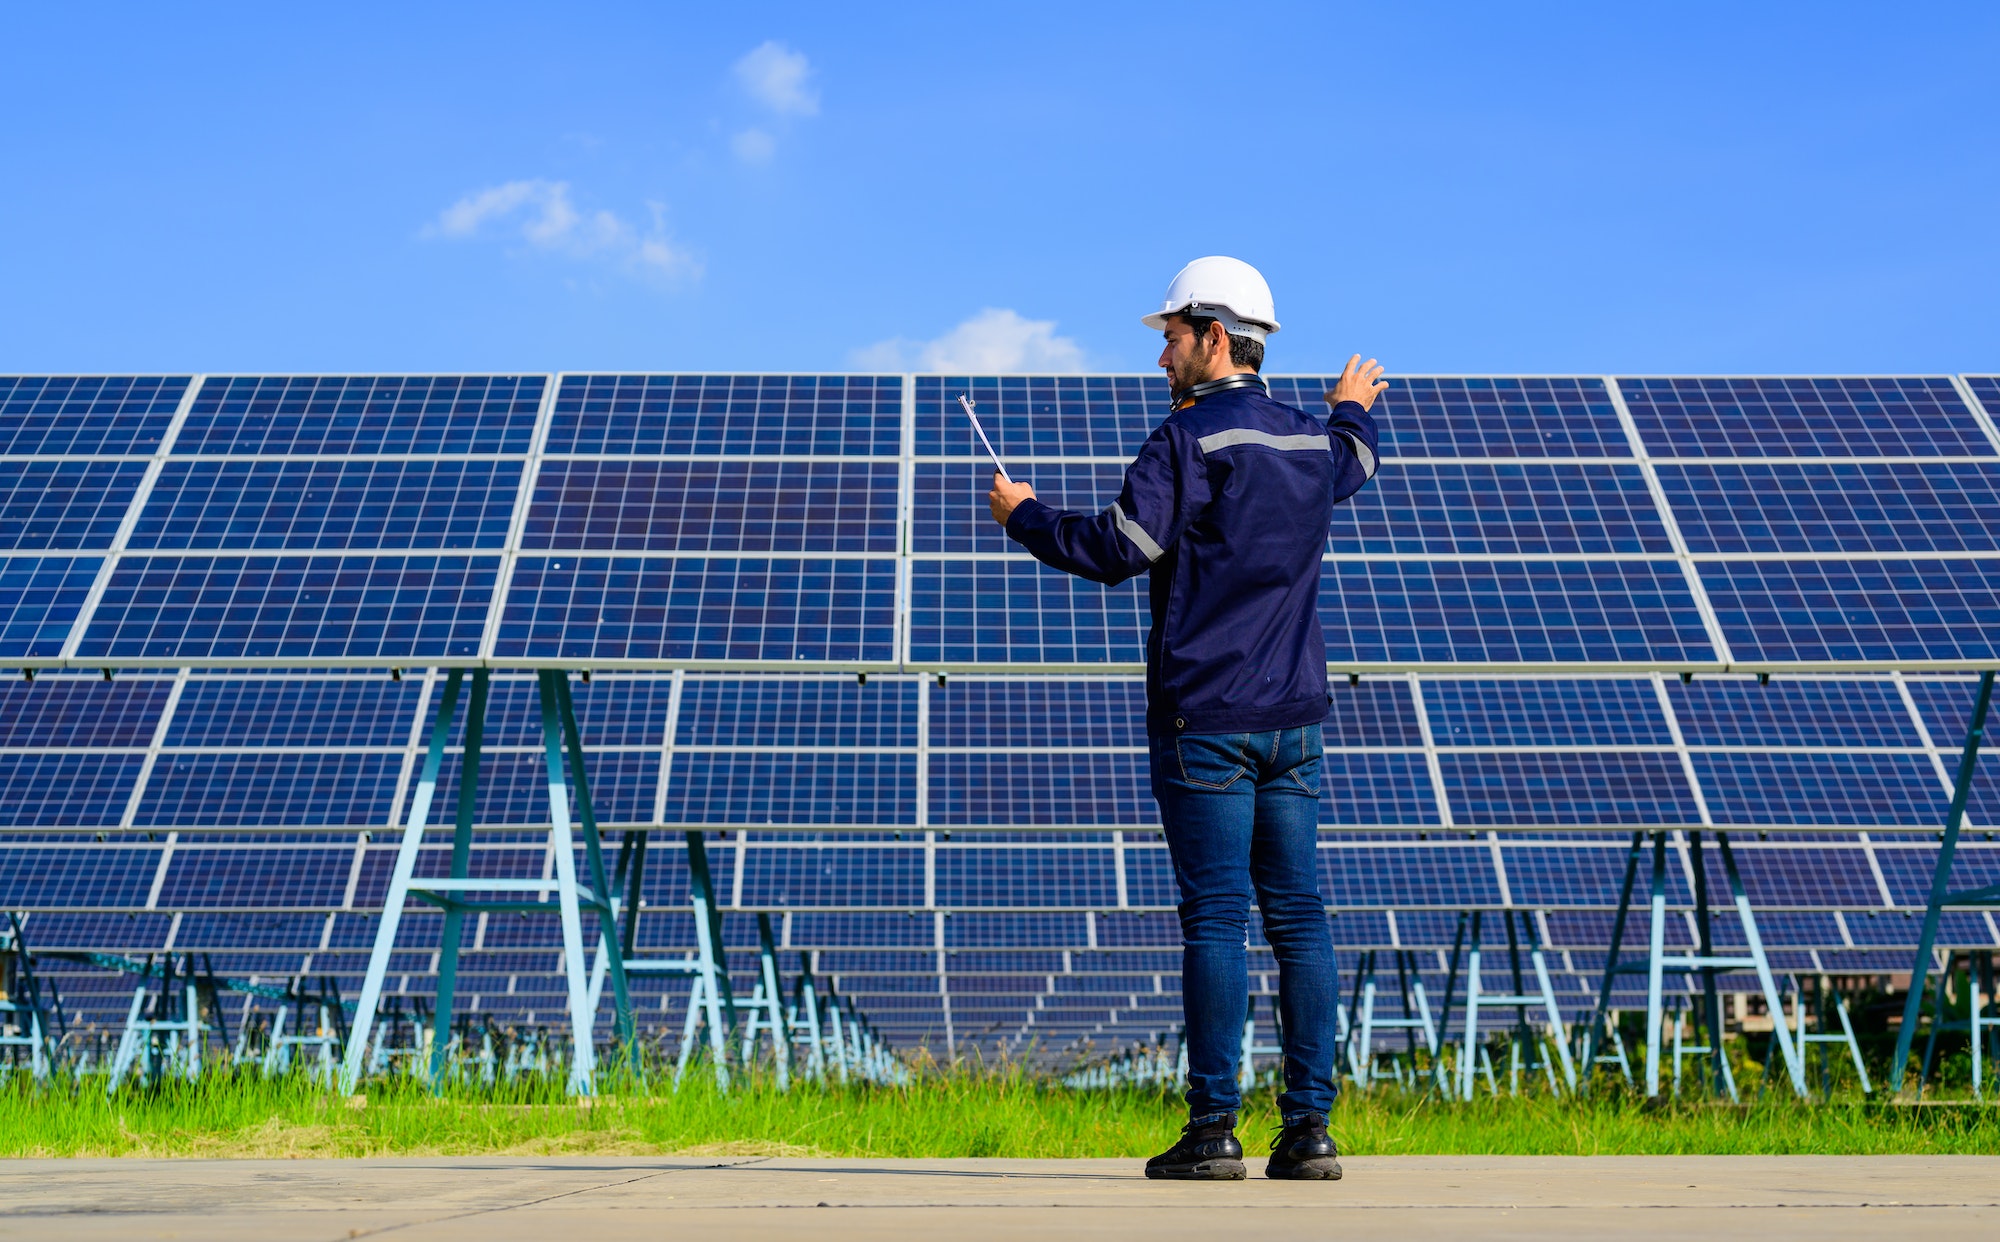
(399, 887)
(461, 862)
(1940, 895)
(562, 843)
(600, 885)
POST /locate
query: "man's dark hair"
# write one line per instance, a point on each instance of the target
(1243, 350)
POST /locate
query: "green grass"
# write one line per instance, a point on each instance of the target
(963, 1114)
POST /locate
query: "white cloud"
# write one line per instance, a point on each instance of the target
(775, 76)
(754, 146)
(542, 214)
(463, 218)
(993, 342)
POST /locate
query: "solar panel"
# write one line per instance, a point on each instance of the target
(764, 789)
(1040, 788)
(1376, 789)
(514, 788)
(715, 506)
(73, 713)
(1055, 714)
(1881, 610)
(267, 876)
(57, 790)
(1049, 617)
(310, 505)
(113, 875)
(1803, 417)
(1835, 508)
(1511, 508)
(166, 609)
(310, 790)
(1014, 876)
(950, 513)
(823, 415)
(68, 506)
(1840, 788)
(1510, 612)
(1423, 416)
(1607, 712)
(832, 876)
(1550, 874)
(1451, 875)
(797, 712)
(1791, 713)
(1037, 416)
(66, 414)
(40, 598)
(699, 609)
(362, 414)
(320, 713)
(1582, 788)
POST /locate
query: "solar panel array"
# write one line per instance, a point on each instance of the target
(974, 858)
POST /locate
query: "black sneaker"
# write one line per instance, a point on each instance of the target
(1207, 1152)
(1304, 1151)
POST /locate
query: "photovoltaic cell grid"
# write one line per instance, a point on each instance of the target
(79, 415)
(1432, 511)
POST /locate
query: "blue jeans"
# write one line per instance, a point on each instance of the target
(1241, 811)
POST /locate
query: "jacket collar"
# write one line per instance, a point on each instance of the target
(1208, 388)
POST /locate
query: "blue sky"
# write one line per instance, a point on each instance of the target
(1454, 188)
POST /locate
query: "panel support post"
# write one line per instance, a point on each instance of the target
(1703, 960)
(1593, 1036)
(562, 843)
(710, 1001)
(1794, 1054)
(1940, 881)
(399, 887)
(1719, 1077)
(461, 867)
(1656, 964)
(600, 886)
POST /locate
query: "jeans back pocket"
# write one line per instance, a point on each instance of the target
(1211, 761)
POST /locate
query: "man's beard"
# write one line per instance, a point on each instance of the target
(1194, 370)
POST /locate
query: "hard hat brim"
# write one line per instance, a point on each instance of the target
(1231, 322)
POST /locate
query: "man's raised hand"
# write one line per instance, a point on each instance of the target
(1360, 381)
(1004, 496)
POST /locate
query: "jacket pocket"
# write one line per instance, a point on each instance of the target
(1211, 763)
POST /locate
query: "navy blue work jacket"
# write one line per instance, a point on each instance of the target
(1227, 508)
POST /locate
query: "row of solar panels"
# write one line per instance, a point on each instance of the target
(1044, 976)
(1034, 416)
(748, 613)
(826, 508)
(334, 711)
(260, 521)
(263, 753)
(209, 875)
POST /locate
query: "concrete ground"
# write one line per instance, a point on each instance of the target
(569, 1199)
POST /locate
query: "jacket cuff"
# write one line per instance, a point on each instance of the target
(1358, 407)
(1019, 520)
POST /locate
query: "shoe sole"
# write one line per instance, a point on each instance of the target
(1326, 1170)
(1206, 1171)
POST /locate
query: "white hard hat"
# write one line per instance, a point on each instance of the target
(1228, 290)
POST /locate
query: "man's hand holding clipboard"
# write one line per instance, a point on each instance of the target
(1006, 492)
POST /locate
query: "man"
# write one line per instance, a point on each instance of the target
(1227, 508)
